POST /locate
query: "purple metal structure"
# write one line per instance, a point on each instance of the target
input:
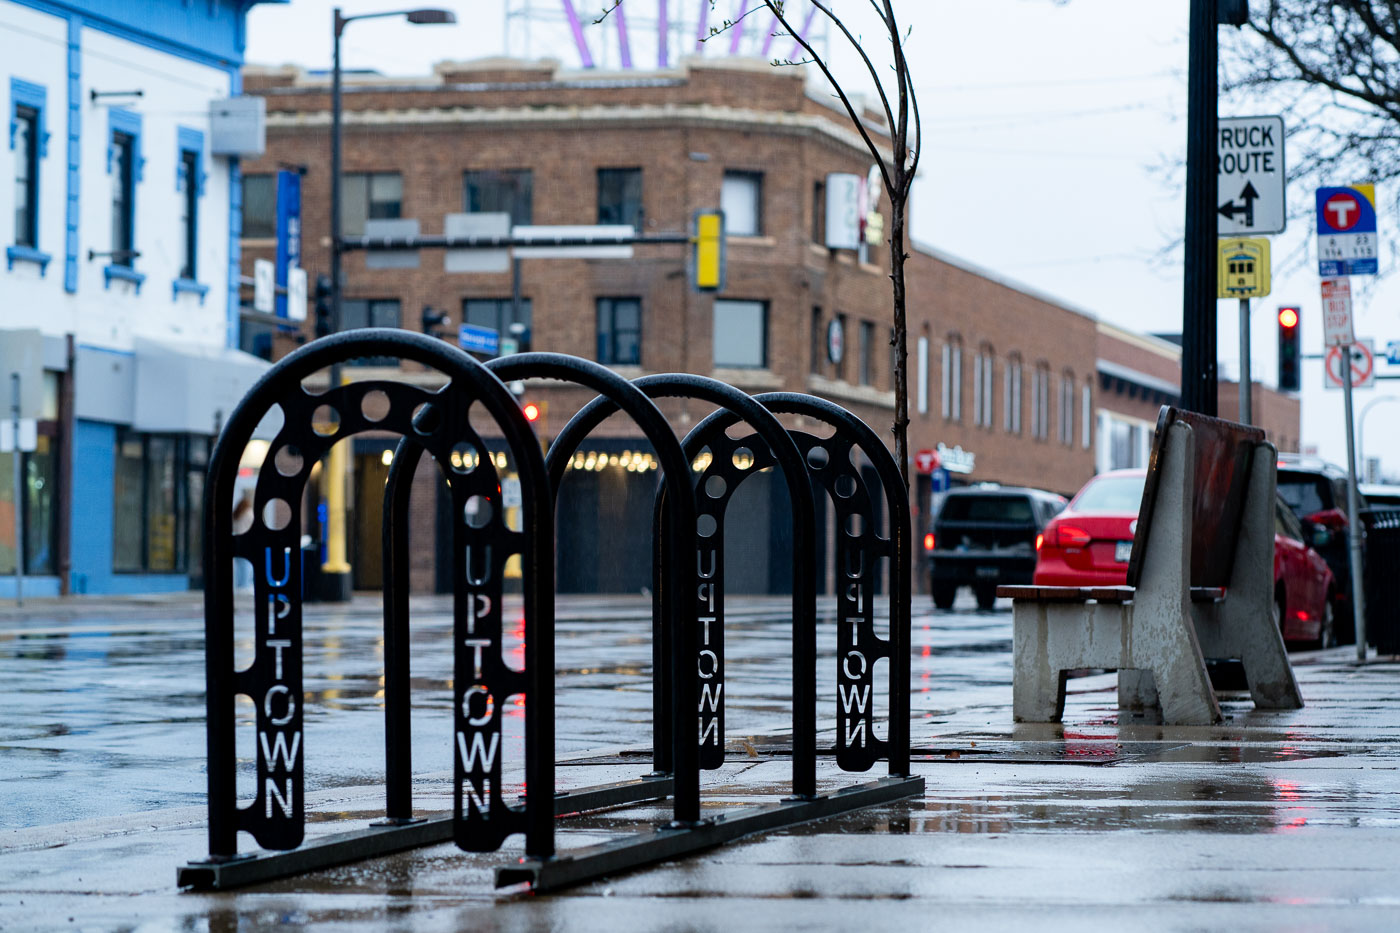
(625, 37)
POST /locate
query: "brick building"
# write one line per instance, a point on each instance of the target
(1004, 382)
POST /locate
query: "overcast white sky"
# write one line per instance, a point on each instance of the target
(1046, 127)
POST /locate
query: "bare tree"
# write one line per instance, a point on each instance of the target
(897, 165)
(1332, 68)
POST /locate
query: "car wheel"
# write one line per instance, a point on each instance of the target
(1327, 634)
(986, 597)
(943, 594)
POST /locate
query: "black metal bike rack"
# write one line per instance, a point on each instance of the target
(483, 682)
(628, 398)
(687, 634)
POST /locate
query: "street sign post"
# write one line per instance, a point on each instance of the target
(1346, 231)
(1363, 365)
(1336, 313)
(1250, 179)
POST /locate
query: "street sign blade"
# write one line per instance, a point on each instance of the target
(1346, 231)
(1250, 176)
(1336, 313)
(264, 285)
(1362, 365)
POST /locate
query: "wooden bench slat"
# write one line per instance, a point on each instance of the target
(1061, 594)
(1112, 594)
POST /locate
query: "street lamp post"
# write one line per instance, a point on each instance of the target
(336, 569)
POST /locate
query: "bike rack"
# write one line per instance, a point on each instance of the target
(687, 635)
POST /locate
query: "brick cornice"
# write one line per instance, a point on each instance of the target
(666, 116)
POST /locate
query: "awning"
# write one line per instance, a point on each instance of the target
(190, 388)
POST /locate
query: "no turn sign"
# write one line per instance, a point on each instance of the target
(1363, 365)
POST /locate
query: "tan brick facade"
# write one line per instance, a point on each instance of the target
(684, 129)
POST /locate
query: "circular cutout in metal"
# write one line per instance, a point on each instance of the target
(478, 511)
(325, 421)
(375, 405)
(288, 460)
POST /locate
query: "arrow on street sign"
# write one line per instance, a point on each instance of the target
(1230, 208)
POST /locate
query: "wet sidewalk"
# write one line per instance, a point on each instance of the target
(1270, 821)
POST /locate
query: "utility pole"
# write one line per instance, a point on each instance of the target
(1198, 345)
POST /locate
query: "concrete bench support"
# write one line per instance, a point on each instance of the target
(1159, 640)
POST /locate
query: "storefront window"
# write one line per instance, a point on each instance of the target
(37, 511)
(157, 496)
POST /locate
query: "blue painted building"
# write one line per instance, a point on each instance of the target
(119, 216)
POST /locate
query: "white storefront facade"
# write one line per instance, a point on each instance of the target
(118, 293)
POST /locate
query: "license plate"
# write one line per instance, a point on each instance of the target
(1122, 550)
(988, 571)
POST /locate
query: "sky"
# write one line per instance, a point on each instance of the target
(1051, 134)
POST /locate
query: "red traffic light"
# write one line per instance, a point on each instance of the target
(532, 411)
(1288, 317)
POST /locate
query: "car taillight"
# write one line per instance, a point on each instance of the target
(1069, 536)
(928, 541)
(1039, 542)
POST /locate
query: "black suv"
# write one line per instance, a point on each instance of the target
(984, 536)
(1316, 491)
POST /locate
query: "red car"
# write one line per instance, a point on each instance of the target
(1089, 543)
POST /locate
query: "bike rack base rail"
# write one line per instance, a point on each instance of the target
(384, 837)
(668, 842)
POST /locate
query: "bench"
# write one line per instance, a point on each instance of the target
(1200, 586)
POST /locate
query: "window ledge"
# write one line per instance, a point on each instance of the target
(736, 239)
(744, 377)
(846, 392)
(189, 286)
(124, 274)
(27, 254)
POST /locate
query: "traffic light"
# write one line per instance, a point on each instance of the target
(1289, 358)
(707, 262)
(433, 319)
(537, 413)
(323, 306)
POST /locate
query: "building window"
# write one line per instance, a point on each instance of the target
(620, 331)
(38, 507)
(505, 192)
(741, 334)
(1086, 418)
(157, 488)
(841, 363)
(364, 196)
(498, 314)
(123, 198)
(620, 196)
(259, 207)
(818, 342)
(1066, 432)
(373, 312)
(819, 213)
(866, 373)
(1011, 401)
(983, 402)
(24, 132)
(189, 213)
(1040, 402)
(921, 382)
(29, 142)
(952, 378)
(741, 199)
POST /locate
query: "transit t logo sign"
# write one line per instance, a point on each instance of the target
(1346, 231)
